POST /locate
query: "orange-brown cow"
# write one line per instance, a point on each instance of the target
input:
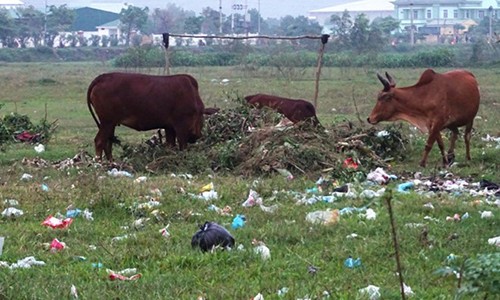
(295, 110)
(144, 102)
(438, 101)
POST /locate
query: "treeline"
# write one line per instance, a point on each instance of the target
(281, 57)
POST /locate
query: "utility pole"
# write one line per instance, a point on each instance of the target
(412, 40)
(44, 37)
(220, 16)
(258, 21)
(490, 9)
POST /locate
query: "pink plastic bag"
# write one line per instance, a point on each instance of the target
(57, 223)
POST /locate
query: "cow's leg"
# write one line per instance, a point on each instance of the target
(170, 136)
(440, 143)
(433, 136)
(451, 150)
(102, 141)
(109, 145)
(467, 137)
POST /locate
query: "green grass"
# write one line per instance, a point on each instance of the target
(170, 268)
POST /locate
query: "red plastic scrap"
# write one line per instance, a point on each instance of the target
(350, 163)
(54, 222)
(115, 276)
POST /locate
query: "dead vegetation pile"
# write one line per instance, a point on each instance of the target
(246, 141)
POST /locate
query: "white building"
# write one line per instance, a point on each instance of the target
(11, 4)
(371, 8)
(441, 16)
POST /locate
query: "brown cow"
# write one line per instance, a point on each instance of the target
(438, 101)
(144, 102)
(295, 110)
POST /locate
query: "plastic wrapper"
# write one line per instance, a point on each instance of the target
(211, 235)
(238, 221)
(12, 212)
(54, 223)
(261, 249)
(252, 199)
(371, 291)
(352, 263)
(56, 245)
(117, 276)
(325, 217)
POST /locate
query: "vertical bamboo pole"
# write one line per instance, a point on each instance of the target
(324, 40)
(166, 37)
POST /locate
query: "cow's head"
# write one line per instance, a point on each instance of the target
(384, 109)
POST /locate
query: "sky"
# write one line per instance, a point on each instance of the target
(268, 8)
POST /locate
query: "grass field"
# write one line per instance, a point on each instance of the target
(170, 268)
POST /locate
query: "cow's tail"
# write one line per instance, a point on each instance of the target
(314, 119)
(89, 103)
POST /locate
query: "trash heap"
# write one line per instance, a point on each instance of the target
(254, 142)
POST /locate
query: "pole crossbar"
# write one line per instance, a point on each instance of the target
(311, 37)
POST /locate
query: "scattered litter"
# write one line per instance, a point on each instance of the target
(486, 214)
(140, 223)
(27, 263)
(56, 245)
(380, 176)
(115, 173)
(369, 194)
(429, 206)
(226, 211)
(258, 297)
(11, 202)
(207, 187)
(121, 237)
(370, 214)
(261, 249)
(252, 199)
(238, 221)
(352, 236)
(372, 291)
(285, 173)
(352, 263)
(211, 235)
(269, 209)
(325, 217)
(73, 213)
(26, 177)
(148, 205)
(141, 179)
(12, 212)
(2, 239)
(73, 293)
(312, 270)
(282, 292)
(350, 163)
(164, 231)
(53, 222)
(39, 148)
(116, 276)
(98, 265)
(405, 187)
(494, 241)
(87, 215)
(407, 290)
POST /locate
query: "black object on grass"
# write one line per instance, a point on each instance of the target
(211, 235)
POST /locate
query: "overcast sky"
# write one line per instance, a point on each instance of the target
(268, 8)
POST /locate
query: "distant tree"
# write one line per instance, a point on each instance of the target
(59, 19)
(7, 29)
(294, 26)
(341, 29)
(192, 24)
(360, 33)
(30, 25)
(211, 21)
(172, 19)
(386, 25)
(254, 22)
(132, 19)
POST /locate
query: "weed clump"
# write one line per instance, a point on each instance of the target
(246, 141)
(15, 127)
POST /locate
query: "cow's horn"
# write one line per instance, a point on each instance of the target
(384, 81)
(391, 80)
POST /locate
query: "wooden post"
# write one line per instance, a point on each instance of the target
(324, 40)
(166, 37)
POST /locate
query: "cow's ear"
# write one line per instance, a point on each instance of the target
(384, 81)
(391, 80)
(384, 96)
